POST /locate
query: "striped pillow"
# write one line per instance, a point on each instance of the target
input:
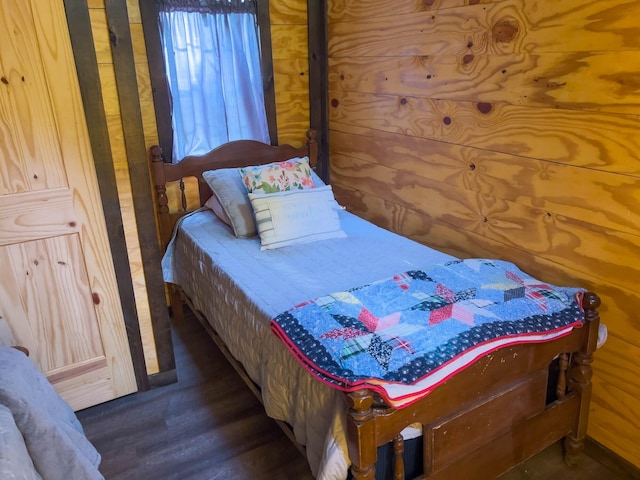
(296, 217)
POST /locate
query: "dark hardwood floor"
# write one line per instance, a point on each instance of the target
(210, 426)
(207, 426)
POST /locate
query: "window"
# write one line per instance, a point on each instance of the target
(212, 66)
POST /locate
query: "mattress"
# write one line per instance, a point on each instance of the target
(240, 288)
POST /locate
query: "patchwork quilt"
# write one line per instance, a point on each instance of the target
(402, 336)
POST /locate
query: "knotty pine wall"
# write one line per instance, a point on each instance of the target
(290, 54)
(506, 129)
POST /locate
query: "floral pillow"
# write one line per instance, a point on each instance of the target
(293, 174)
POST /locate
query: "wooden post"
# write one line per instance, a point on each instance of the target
(580, 373)
(162, 201)
(561, 387)
(361, 435)
(312, 143)
(398, 450)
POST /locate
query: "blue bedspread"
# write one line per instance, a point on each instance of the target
(426, 323)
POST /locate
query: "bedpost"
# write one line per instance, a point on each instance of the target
(361, 434)
(159, 180)
(563, 364)
(164, 220)
(162, 201)
(398, 452)
(312, 143)
(580, 373)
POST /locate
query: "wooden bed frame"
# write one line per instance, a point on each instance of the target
(482, 422)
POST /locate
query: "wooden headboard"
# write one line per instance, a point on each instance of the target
(239, 153)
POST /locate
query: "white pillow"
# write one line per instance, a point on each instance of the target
(296, 216)
(226, 185)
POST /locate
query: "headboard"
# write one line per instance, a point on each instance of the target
(238, 153)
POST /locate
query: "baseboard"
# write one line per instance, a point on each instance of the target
(161, 379)
(611, 460)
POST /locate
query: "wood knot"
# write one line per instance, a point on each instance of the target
(467, 59)
(335, 102)
(446, 120)
(403, 101)
(4, 80)
(505, 30)
(472, 166)
(96, 298)
(484, 107)
(428, 3)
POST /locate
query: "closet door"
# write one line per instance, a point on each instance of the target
(58, 290)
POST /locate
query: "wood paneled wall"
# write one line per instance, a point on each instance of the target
(506, 129)
(289, 34)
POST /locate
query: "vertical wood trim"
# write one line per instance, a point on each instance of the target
(127, 87)
(266, 60)
(157, 73)
(318, 80)
(87, 67)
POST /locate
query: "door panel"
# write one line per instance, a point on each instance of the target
(58, 290)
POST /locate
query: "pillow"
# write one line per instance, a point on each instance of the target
(214, 205)
(296, 217)
(292, 174)
(226, 185)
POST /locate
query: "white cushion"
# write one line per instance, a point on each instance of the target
(296, 216)
(226, 185)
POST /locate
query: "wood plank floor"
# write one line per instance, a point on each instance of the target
(210, 426)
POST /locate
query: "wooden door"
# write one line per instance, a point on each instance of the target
(58, 289)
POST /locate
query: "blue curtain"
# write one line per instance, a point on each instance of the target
(213, 69)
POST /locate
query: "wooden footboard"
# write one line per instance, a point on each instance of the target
(490, 417)
(486, 419)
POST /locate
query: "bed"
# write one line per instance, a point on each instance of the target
(509, 401)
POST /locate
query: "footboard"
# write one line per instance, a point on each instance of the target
(491, 416)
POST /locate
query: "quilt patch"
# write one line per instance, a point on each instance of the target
(403, 335)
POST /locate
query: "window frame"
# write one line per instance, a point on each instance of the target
(158, 77)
